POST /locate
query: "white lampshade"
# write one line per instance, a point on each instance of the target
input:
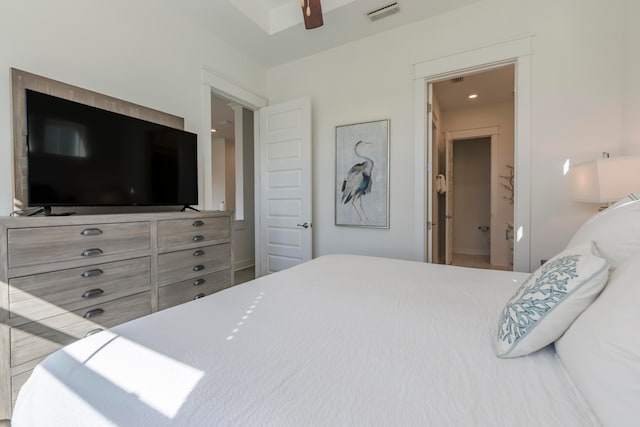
(605, 180)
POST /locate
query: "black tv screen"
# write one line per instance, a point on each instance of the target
(78, 155)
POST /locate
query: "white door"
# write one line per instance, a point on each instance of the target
(431, 206)
(284, 155)
(448, 219)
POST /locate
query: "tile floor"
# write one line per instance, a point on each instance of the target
(475, 261)
(244, 275)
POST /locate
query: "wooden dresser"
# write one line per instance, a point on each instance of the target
(64, 278)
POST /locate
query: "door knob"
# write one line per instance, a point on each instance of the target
(305, 225)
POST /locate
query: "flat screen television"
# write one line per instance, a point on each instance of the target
(78, 155)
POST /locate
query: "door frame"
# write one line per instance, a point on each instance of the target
(493, 133)
(212, 83)
(515, 51)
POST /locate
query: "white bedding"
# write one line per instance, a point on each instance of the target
(339, 341)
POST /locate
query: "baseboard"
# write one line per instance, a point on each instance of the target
(501, 265)
(470, 251)
(241, 265)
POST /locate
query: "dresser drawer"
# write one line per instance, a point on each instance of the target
(37, 339)
(17, 381)
(187, 290)
(31, 246)
(181, 231)
(44, 295)
(181, 265)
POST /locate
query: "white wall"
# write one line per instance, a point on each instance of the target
(576, 69)
(244, 231)
(631, 80)
(230, 174)
(145, 53)
(218, 173)
(138, 51)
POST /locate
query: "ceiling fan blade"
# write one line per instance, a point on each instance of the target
(312, 13)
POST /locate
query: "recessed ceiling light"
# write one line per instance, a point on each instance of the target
(214, 130)
(472, 96)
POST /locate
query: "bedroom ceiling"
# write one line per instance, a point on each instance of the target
(492, 86)
(222, 118)
(272, 32)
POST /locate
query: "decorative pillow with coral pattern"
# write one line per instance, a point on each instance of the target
(550, 300)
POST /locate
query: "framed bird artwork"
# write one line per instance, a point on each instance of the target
(362, 174)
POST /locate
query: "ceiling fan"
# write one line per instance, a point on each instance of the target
(312, 13)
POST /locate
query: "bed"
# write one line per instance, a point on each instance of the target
(342, 340)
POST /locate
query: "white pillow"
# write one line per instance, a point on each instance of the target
(550, 299)
(616, 231)
(601, 350)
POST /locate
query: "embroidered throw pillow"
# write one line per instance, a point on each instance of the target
(550, 300)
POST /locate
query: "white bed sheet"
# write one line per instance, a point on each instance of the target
(342, 340)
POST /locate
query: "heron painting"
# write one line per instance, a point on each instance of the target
(362, 174)
(357, 183)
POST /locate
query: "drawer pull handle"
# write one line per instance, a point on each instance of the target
(93, 313)
(200, 295)
(198, 282)
(91, 232)
(92, 273)
(198, 223)
(93, 332)
(92, 252)
(199, 252)
(198, 267)
(198, 238)
(93, 293)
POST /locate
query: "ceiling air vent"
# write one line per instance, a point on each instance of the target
(383, 11)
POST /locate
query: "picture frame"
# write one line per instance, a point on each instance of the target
(362, 174)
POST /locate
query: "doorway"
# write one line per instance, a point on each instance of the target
(473, 154)
(471, 193)
(232, 147)
(281, 163)
(518, 52)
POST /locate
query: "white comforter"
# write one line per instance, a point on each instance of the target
(339, 341)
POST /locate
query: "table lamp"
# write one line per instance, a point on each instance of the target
(605, 180)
